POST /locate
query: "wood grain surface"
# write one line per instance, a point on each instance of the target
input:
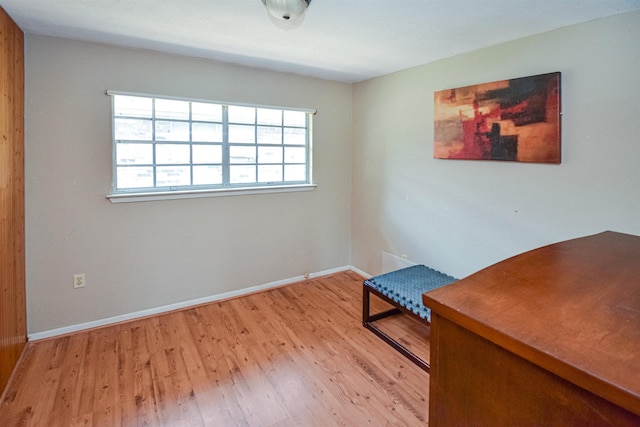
(297, 355)
(13, 324)
(548, 337)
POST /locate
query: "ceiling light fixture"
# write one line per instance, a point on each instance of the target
(286, 10)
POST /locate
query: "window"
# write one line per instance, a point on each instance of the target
(166, 145)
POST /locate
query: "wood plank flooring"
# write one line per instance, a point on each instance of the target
(292, 356)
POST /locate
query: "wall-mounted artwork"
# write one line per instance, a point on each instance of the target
(516, 120)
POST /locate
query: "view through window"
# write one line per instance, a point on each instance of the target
(165, 144)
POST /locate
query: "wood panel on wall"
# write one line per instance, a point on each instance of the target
(13, 324)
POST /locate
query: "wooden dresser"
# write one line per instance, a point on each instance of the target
(550, 337)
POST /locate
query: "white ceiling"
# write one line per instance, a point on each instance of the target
(343, 40)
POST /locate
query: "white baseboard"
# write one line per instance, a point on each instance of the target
(184, 304)
(360, 272)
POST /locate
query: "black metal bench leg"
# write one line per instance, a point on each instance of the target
(367, 322)
(399, 347)
(367, 317)
(366, 300)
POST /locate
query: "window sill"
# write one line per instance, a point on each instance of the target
(196, 194)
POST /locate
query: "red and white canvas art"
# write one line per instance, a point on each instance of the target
(513, 120)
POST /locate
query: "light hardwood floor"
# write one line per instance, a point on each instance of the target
(292, 356)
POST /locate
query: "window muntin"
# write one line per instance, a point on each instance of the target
(165, 144)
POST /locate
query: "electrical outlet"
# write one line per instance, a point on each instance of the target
(79, 281)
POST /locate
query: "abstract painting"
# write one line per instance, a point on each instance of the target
(514, 120)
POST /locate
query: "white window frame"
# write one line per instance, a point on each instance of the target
(225, 188)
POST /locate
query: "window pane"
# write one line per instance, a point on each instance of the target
(268, 116)
(207, 154)
(172, 131)
(133, 106)
(167, 176)
(295, 155)
(162, 143)
(295, 173)
(134, 177)
(132, 129)
(242, 154)
(206, 112)
(269, 135)
(242, 114)
(295, 118)
(206, 132)
(270, 173)
(242, 174)
(172, 154)
(207, 175)
(269, 154)
(134, 154)
(172, 109)
(239, 133)
(295, 136)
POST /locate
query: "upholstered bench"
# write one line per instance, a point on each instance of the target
(402, 289)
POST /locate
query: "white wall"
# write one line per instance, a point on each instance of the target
(460, 216)
(379, 187)
(138, 256)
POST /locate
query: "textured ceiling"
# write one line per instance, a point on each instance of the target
(344, 40)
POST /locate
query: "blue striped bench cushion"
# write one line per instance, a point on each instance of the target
(407, 285)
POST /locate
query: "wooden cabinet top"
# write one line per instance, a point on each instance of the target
(572, 308)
